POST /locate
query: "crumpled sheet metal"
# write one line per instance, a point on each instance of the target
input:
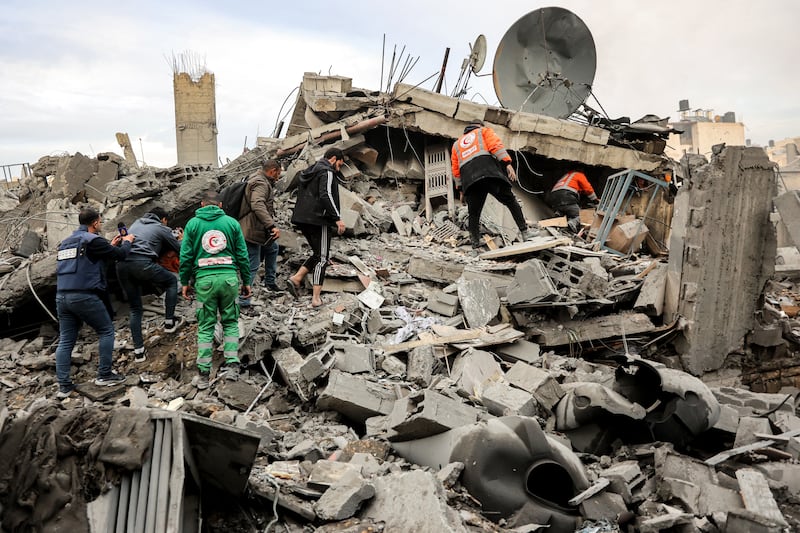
(647, 401)
(512, 467)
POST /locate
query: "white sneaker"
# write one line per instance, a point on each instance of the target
(139, 355)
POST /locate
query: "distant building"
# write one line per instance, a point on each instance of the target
(786, 155)
(702, 130)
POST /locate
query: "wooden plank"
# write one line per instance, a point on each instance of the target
(647, 270)
(599, 485)
(723, 456)
(491, 339)
(557, 222)
(432, 341)
(534, 245)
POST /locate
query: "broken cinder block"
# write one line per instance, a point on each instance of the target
(319, 362)
(383, 321)
(290, 364)
(355, 397)
(442, 303)
(427, 413)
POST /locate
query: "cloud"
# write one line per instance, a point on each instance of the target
(76, 75)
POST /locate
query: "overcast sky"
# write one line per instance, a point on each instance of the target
(72, 74)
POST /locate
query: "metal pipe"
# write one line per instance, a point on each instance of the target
(441, 73)
(358, 127)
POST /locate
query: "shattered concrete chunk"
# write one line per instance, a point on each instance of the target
(479, 301)
(427, 413)
(531, 283)
(412, 501)
(421, 361)
(537, 382)
(748, 427)
(474, 370)
(757, 495)
(343, 499)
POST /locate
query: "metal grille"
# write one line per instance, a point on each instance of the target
(438, 178)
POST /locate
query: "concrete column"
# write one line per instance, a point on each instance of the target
(196, 119)
(722, 251)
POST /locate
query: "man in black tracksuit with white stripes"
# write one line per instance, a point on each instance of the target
(315, 212)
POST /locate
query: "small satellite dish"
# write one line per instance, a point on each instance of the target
(471, 65)
(478, 55)
(545, 63)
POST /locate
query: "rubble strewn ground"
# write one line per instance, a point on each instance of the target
(438, 388)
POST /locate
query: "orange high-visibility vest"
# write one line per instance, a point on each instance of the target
(475, 143)
(575, 181)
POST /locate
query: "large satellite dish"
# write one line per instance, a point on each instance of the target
(545, 63)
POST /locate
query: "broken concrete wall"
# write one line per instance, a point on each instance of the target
(195, 119)
(722, 251)
(441, 115)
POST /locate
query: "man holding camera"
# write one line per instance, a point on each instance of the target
(82, 296)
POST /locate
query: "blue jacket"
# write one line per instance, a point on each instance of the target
(82, 261)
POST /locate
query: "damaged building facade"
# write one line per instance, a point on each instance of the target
(636, 376)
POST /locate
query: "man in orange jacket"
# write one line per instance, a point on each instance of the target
(474, 160)
(565, 197)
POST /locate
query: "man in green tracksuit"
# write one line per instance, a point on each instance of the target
(213, 250)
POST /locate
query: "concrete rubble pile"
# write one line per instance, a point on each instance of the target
(560, 383)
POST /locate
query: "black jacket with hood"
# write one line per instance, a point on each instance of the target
(317, 195)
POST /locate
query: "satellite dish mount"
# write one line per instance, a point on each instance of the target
(471, 65)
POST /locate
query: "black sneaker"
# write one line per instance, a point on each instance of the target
(273, 288)
(139, 355)
(110, 380)
(230, 372)
(202, 382)
(65, 391)
(171, 325)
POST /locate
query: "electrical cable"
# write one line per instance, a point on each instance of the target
(33, 291)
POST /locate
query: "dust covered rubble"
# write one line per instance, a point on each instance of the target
(418, 338)
(541, 351)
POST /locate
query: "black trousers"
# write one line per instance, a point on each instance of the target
(566, 202)
(319, 239)
(476, 198)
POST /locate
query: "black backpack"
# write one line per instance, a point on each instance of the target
(232, 197)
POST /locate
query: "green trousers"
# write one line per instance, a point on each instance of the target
(217, 293)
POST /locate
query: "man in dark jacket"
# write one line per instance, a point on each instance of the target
(213, 252)
(316, 210)
(474, 161)
(82, 297)
(141, 269)
(257, 218)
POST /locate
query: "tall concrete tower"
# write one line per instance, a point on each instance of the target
(195, 111)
